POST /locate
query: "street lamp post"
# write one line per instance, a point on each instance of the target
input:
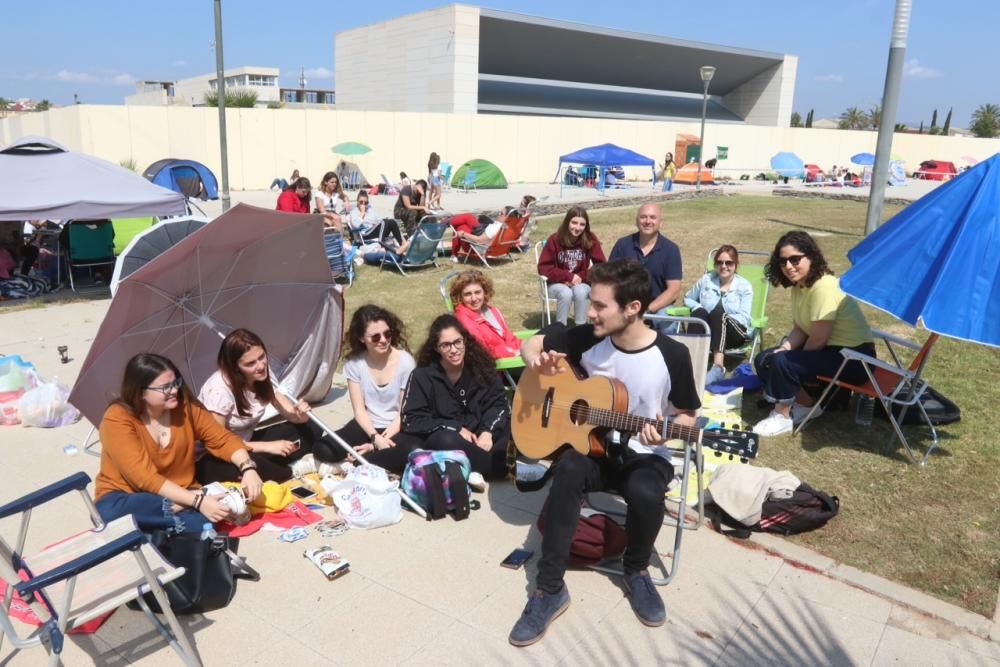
(707, 72)
(220, 89)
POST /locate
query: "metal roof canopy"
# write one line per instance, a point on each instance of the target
(519, 45)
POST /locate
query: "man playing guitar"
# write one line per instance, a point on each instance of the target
(658, 375)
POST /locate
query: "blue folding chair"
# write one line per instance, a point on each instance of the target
(423, 249)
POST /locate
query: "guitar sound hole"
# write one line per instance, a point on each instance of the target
(578, 412)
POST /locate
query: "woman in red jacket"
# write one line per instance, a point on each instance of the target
(296, 198)
(566, 257)
(471, 292)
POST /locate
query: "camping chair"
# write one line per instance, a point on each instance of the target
(543, 288)
(89, 243)
(891, 384)
(84, 576)
(506, 240)
(341, 261)
(390, 189)
(524, 243)
(469, 182)
(423, 247)
(445, 176)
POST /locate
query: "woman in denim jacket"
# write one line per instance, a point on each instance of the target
(723, 299)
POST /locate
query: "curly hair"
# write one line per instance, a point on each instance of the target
(806, 245)
(354, 340)
(234, 346)
(477, 359)
(471, 277)
(567, 240)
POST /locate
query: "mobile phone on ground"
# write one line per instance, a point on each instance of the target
(517, 558)
(303, 492)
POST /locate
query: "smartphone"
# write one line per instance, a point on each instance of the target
(303, 492)
(517, 558)
(297, 443)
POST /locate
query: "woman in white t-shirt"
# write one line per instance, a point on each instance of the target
(237, 395)
(331, 201)
(377, 369)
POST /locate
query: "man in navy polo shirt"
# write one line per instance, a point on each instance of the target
(659, 255)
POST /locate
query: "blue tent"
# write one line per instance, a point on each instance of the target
(190, 178)
(604, 156)
(936, 260)
(788, 165)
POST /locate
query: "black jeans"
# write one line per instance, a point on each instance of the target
(642, 481)
(272, 466)
(735, 335)
(392, 459)
(389, 227)
(491, 464)
(784, 373)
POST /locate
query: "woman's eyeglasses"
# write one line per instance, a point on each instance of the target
(377, 337)
(725, 262)
(457, 344)
(169, 387)
(791, 259)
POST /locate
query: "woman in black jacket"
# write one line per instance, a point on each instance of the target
(455, 401)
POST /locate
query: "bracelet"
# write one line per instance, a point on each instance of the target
(248, 465)
(198, 499)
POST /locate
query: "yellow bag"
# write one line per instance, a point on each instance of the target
(273, 497)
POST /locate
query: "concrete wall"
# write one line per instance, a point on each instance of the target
(767, 98)
(264, 143)
(420, 62)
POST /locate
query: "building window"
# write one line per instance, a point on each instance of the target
(290, 96)
(312, 96)
(263, 80)
(212, 83)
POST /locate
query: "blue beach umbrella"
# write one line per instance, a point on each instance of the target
(788, 165)
(936, 260)
(863, 159)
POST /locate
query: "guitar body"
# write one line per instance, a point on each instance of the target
(550, 411)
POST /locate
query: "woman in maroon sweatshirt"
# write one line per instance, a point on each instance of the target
(565, 259)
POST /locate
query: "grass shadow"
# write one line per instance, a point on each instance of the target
(813, 228)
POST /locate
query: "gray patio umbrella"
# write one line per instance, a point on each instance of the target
(150, 243)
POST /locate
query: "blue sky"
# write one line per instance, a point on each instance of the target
(53, 49)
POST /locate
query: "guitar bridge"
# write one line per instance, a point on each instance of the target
(547, 406)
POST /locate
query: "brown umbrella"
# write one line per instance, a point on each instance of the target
(251, 267)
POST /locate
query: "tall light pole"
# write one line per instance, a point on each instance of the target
(707, 72)
(220, 90)
(887, 124)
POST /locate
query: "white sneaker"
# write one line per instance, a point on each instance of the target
(530, 472)
(799, 412)
(304, 466)
(773, 424)
(476, 482)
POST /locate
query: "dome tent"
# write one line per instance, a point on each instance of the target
(190, 178)
(488, 175)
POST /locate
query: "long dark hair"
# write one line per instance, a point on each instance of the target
(806, 245)
(565, 239)
(234, 346)
(477, 359)
(301, 182)
(364, 316)
(139, 372)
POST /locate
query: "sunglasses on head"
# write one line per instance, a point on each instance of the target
(791, 259)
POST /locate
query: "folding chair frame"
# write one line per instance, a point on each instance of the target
(900, 386)
(543, 287)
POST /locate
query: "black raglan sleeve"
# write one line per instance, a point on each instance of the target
(683, 392)
(571, 342)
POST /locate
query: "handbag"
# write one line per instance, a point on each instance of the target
(209, 580)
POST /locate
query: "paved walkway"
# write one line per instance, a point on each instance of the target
(433, 593)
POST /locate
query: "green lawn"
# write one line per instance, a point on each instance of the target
(935, 529)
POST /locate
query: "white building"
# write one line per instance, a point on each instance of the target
(192, 91)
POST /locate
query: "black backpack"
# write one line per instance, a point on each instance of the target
(807, 509)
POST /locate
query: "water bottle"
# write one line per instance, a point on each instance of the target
(865, 411)
(208, 532)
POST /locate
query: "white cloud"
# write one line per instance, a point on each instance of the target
(914, 70)
(830, 78)
(179, 63)
(105, 77)
(319, 73)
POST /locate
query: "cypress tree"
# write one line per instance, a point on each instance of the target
(947, 123)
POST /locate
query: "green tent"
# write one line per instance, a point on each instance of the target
(487, 176)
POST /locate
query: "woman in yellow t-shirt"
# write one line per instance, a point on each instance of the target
(825, 320)
(668, 172)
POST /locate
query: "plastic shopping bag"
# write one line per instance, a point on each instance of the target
(366, 498)
(47, 406)
(16, 377)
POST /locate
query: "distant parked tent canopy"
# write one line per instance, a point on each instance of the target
(190, 178)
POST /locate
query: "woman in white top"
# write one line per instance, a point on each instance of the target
(331, 202)
(237, 395)
(377, 369)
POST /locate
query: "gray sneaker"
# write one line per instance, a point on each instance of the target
(541, 610)
(646, 601)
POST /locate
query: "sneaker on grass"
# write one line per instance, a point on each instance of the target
(773, 424)
(541, 610)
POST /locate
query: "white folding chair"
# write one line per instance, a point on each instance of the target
(543, 288)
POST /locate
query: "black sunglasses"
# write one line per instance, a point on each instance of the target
(793, 259)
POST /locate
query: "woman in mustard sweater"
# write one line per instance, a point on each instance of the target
(148, 438)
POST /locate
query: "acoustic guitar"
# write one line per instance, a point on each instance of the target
(553, 411)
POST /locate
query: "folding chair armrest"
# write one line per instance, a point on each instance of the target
(507, 363)
(75, 482)
(889, 338)
(678, 311)
(128, 542)
(758, 322)
(854, 355)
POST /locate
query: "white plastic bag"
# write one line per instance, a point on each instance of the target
(47, 406)
(366, 498)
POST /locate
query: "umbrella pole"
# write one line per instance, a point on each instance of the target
(350, 450)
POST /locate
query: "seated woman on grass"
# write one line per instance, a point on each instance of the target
(295, 199)
(454, 400)
(471, 293)
(237, 394)
(366, 223)
(148, 438)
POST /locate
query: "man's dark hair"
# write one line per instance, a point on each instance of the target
(422, 183)
(629, 280)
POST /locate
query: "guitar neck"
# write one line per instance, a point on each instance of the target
(633, 424)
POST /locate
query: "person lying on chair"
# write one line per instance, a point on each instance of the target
(658, 375)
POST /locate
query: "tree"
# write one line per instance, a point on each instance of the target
(921, 130)
(796, 119)
(809, 118)
(947, 123)
(934, 127)
(853, 119)
(236, 98)
(875, 116)
(44, 105)
(899, 127)
(4, 105)
(986, 121)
